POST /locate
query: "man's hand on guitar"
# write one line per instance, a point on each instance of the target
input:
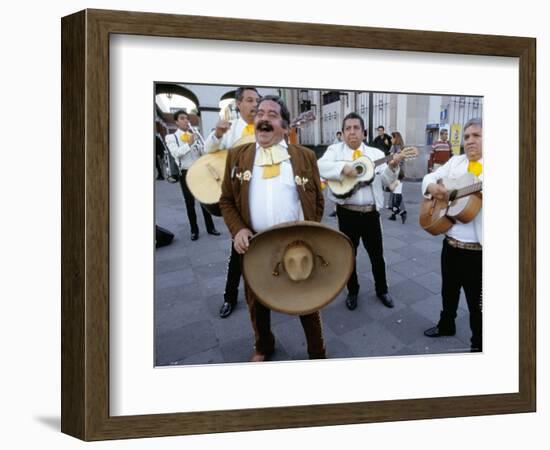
(349, 171)
(438, 191)
(397, 158)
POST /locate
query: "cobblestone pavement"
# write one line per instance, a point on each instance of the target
(190, 280)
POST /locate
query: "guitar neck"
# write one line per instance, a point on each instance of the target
(383, 160)
(468, 190)
(407, 152)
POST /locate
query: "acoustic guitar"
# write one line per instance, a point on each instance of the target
(205, 177)
(463, 202)
(364, 167)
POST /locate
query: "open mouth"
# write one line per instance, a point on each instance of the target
(264, 126)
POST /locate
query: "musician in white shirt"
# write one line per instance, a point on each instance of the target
(461, 257)
(226, 134)
(358, 215)
(186, 147)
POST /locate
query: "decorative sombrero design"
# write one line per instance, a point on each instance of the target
(298, 267)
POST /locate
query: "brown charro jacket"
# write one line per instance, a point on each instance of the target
(234, 199)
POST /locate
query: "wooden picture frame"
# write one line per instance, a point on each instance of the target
(85, 224)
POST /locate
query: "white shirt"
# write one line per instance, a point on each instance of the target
(338, 155)
(232, 135)
(273, 200)
(455, 168)
(183, 153)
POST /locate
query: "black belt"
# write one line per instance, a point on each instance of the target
(360, 208)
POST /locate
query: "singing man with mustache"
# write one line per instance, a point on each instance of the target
(260, 189)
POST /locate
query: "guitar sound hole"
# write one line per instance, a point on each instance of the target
(360, 170)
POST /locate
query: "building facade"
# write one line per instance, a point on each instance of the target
(418, 117)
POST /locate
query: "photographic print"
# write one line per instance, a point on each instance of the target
(326, 272)
(387, 298)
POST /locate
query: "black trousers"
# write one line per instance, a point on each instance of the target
(396, 203)
(190, 207)
(233, 277)
(461, 269)
(366, 227)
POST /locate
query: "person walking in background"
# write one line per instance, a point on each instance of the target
(441, 151)
(396, 197)
(382, 141)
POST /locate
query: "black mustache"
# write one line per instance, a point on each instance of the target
(264, 125)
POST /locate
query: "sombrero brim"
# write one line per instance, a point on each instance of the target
(282, 294)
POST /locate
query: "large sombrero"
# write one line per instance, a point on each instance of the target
(298, 267)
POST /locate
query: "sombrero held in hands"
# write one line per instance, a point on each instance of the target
(298, 267)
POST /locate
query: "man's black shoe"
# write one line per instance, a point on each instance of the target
(226, 309)
(214, 232)
(194, 236)
(351, 301)
(436, 332)
(386, 299)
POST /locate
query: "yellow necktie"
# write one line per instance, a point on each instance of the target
(185, 136)
(475, 167)
(271, 171)
(357, 153)
(248, 130)
(270, 159)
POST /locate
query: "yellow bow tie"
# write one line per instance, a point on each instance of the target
(185, 136)
(357, 153)
(248, 130)
(475, 167)
(270, 159)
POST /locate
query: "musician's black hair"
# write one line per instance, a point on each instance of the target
(179, 112)
(285, 114)
(354, 115)
(381, 126)
(239, 93)
(474, 121)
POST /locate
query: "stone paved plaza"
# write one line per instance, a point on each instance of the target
(190, 280)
